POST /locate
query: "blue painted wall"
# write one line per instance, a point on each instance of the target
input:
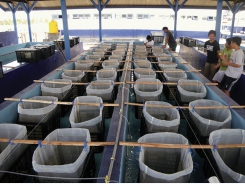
(236, 29)
(129, 33)
(8, 38)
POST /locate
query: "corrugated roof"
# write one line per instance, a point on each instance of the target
(71, 4)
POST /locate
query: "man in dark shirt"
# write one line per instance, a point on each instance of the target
(213, 50)
(169, 39)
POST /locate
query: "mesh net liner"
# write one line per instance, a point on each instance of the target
(122, 44)
(62, 161)
(159, 165)
(148, 92)
(165, 65)
(174, 76)
(89, 117)
(157, 50)
(107, 74)
(37, 112)
(83, 64)
(208, 120)
(102, 50)
(164, 58)
(161, 119)
(140, 53)
(142, 64)
(118, 57)
(144, 73)
(11, 131)
(119, 51)
(94, 57)
(191, 92)
(102, 90)
(73, 75)
(229, 160)
(57, 90)
(140, 50)
(112, 63)
(98, 53)
(140, 57)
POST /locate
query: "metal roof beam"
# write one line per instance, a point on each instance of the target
(170, 4)
(104, 5)
(95, 5)
(182, 4)
(2, 8)
(173, 6)
(12, 7)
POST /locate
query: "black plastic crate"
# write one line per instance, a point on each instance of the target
(1, 70)
(43, 129)
(207, 168)
(23, 165)
(90, 75)
(59, 44)
(79, 90)
(52, 50)
(72, 42)
(45, 51)
(76, 40)
(89, 169)
(170, 92)
(184, 113)
(29, 56)
(68, 97)
(143, 126)
(160, 75)
(157, 36)
(190, 42)
(97, 66)
(108, 110)
(193, 134)
(138, 111)
(99, 137)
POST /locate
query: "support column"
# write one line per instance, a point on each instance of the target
(176, 18)
(29, 25)
(13, 9)
(100, 26)
(234, 10)
(28, 10)
(176, 8)
(218, 19)
(232, 24)
(66, 30)
(100, 7)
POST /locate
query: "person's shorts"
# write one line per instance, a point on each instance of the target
(227, 83)
(219, 76)
(172, 46)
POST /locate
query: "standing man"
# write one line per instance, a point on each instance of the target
(235, 65)
(213, 50)
(169, 39)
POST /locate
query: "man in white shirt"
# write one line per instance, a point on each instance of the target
(148, 42)
(235, 65)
